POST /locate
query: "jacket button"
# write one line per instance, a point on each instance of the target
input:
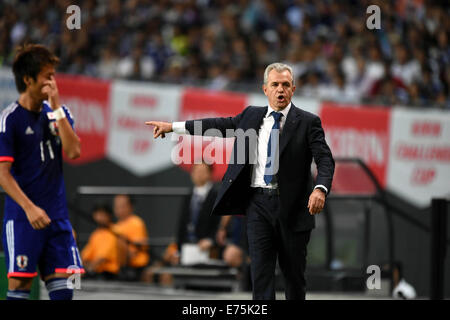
(230, 181)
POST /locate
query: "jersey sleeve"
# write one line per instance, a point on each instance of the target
(7, 152)
(69, 116)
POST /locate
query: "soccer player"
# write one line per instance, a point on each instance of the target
(33, 132)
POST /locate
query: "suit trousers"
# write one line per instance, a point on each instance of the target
(269, 236)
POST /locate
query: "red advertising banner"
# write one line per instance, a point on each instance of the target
(359, 132)
(201, 103)
(88, 101)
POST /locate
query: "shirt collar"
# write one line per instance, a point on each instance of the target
(202, 190)
(285, 111)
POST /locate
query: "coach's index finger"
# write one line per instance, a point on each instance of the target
(151, 123)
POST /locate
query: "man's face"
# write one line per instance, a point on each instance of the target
(34, 87)
(279, 89)
(122, 207)
(101, 218)
(200, 174)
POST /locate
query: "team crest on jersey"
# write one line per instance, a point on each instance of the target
(53, 128)
(22, 261)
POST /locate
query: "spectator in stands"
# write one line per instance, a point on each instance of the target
(107, 66)
(132, 237)
(386, 93)
(158, 50)
(404, 68)
(100, 255)
(195, 224)
(310, 87)
(219, 80)
(240, 36)
(338, 90)
(374, 69)
(390, 91)
(136, 66)
(430, 85)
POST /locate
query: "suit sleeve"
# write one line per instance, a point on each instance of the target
(321, 153)
(215, 126)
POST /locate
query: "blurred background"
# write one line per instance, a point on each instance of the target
(383, 96)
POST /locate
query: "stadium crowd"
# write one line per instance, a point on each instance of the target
(225, 44)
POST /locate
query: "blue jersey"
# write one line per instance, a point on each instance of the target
(30, 141)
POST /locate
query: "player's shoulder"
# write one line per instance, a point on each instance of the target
(101, 234)
(135, 222)
(135, 219)
(46, 107)
(8, 115)
(10, 109)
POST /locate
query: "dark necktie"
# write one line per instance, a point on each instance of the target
(272, 159)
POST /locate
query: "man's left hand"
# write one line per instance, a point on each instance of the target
(51, 90)
(316, 201)
(205, 244)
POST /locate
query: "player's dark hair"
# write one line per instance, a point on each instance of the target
(29, 61)
(102, 207)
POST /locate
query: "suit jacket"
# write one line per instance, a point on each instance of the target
(302, 138)
(206, 224)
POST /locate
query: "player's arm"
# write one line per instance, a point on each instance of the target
(70, 141)
(36, 216)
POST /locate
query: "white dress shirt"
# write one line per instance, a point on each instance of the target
(257, 178)
(264, 131)
(202, 191)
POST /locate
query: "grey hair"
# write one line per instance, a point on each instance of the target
(279, 67)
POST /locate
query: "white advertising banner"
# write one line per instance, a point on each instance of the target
(419, 163)
(8, 91)
(130, 142)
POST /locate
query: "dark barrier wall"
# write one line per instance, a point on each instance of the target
(159, 213)
(413, 248)
(412, 245)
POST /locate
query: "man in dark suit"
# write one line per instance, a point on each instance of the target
(196, 225)
(271, 181)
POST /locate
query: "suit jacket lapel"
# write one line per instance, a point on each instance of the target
(257, 118)
(292, 120)
(254, 122)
